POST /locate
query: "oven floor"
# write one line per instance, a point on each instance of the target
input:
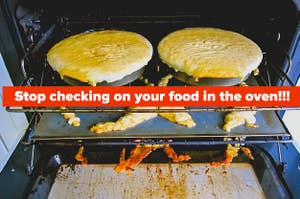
(195, 180)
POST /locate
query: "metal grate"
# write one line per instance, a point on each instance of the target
(38, 72)
(35, 65)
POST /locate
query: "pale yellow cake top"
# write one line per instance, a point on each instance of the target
(98, 56)
(210, 53)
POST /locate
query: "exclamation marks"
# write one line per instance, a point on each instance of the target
(280, 95)
(287, 95)
(283, 95)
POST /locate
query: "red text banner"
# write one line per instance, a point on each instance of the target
(110, 96)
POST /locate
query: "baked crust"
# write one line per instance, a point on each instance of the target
(99, 56)
(181, 118)
(210, 53)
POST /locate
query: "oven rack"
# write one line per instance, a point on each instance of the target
(177, 142)
(38, 132)
(66, 26)
(139, 110)
(53, 127)
(265, 67)
(270, 72)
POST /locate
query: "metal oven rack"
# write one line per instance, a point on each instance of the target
(47, 125)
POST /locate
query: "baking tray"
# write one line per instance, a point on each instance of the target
(157, 181)
(52, 126)
(165, 178)
(125, 80)
(190, 80)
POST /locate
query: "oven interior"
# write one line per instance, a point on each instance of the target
(42, 24)
(37, 25)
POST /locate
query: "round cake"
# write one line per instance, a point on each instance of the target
(210, 53)
(100, 56)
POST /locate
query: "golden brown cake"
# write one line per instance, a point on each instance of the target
(210, 53)
(99, 56)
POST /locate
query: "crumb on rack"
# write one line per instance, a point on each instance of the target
(71, 118)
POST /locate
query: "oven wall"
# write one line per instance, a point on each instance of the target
(12, 126)
(8, 49)
(15, 182)
(291, 169)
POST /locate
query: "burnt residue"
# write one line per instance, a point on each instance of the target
(66, 170)
(154, 181)
(210, 180)
(152, 173)
(174, 184)
(212, 184)
(72, 167)
(207, 171)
